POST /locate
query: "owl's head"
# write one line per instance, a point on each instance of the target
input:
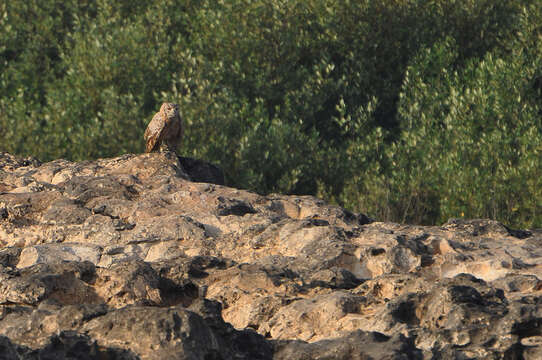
(170, 109)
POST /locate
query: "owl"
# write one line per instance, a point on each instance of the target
(165, 130)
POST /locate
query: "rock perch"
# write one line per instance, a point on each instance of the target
(151, 257)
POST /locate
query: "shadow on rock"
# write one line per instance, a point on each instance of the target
(67, 345)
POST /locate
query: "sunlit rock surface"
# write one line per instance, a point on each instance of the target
(150, 257)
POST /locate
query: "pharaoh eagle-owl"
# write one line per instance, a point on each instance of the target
(165, 130)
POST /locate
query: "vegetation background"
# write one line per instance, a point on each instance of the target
(407, 110)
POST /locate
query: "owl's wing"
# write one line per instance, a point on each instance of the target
(154, 133)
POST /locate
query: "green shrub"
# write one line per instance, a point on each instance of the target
(389, 107)
(471, 141)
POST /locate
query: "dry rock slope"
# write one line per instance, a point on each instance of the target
(151, 257)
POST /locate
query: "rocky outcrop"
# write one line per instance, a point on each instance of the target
(151, 257)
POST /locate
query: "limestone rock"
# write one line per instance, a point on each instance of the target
(152, 257)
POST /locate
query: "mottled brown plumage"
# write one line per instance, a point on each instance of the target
(165, 130)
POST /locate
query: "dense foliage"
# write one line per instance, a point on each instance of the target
(408, 110)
